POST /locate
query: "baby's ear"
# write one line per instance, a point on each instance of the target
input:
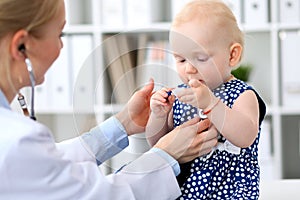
(235, 54)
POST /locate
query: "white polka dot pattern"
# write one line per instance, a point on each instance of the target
(222, 175)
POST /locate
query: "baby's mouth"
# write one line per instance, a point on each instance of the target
(202, 81)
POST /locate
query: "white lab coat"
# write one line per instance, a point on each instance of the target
(33, 166)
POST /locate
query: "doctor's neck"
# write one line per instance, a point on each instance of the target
(8, 88)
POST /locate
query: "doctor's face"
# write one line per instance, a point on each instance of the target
(46, 47)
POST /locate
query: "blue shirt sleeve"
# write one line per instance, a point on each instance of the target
(107, 139)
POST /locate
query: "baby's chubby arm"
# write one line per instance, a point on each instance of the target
(160, 105)
(238, 124)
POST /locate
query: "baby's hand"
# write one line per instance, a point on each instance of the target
(198, 95)
(161, 102)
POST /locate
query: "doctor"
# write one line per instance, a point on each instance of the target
(33, 166)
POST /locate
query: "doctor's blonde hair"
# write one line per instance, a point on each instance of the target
(30, 15)
(15, 15)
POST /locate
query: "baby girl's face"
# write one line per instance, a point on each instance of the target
(201, 52)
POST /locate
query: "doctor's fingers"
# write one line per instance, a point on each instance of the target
(203, 125)
(207, 146)
(204, 142)
(209, 133)
(183, 141)
(198, 148)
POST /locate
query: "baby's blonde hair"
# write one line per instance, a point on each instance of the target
(214, 10)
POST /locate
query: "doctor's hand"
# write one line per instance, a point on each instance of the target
(135, 115)
(190, 140)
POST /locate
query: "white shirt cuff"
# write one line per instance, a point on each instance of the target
(173, 163)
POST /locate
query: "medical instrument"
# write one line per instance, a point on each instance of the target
(21, 98)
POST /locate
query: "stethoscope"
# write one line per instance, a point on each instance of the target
(21, 98)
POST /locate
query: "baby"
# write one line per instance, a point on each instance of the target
(207, 45)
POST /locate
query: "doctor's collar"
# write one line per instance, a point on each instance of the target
(3, 101)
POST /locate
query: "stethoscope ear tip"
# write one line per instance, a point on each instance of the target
(21, 48)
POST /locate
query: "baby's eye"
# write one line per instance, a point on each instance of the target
(202, 59)
(180, 59)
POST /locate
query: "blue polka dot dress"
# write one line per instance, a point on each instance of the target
(221, 174)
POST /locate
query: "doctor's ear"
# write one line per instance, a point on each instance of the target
(17, 45)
